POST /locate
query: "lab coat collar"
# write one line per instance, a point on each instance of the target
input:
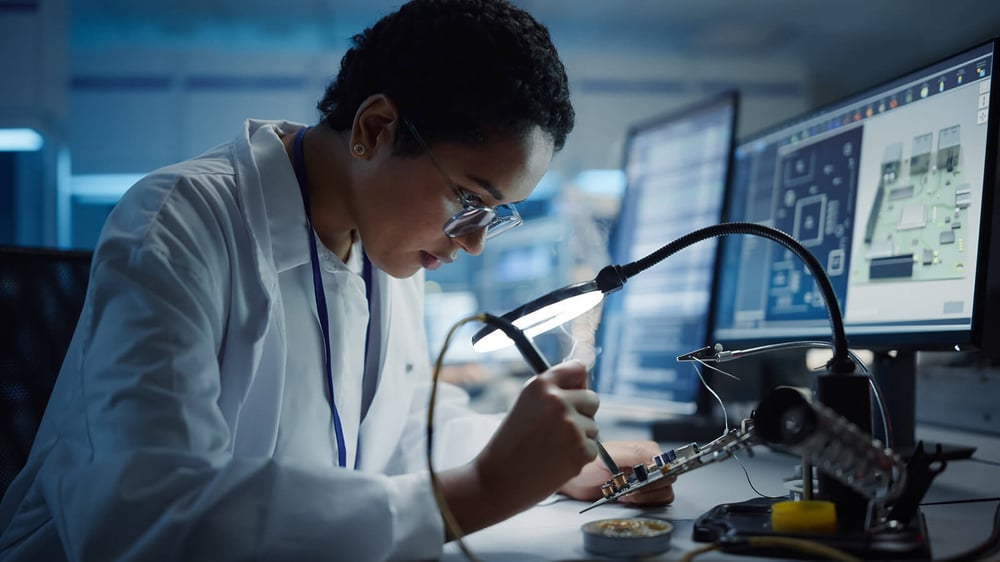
(286, 217)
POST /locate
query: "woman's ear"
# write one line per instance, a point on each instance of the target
(374, 126)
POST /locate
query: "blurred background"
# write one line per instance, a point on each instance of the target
(113, 89)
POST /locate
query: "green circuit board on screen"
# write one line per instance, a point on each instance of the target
(918, 223)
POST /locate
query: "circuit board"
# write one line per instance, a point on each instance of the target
(677, 461)
(918, 222)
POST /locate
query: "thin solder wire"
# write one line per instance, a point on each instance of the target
(876, 390)
(725, 417)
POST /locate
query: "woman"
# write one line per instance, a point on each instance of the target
(248, 377)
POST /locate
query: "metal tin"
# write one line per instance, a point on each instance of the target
(627, 537)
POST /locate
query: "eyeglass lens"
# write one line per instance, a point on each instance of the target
(495, 221)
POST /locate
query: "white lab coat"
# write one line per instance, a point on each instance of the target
(162, 439)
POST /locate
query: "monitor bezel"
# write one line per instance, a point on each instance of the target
(984, 324)
(730, 98)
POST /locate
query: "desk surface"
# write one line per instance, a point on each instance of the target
(552, 532)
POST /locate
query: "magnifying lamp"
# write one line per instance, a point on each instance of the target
(565, 304)
(551, 310)
(839, 388)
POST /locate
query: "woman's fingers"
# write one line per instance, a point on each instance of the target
(659, 493)
(568, 375)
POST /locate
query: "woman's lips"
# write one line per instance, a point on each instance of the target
(432, 262)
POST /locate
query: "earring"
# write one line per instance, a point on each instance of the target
(359, 149)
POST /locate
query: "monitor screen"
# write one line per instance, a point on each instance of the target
(677, 168)
(892, 190)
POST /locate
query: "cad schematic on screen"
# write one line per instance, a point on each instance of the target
(886, 194)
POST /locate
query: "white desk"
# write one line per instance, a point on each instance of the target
(552, 532)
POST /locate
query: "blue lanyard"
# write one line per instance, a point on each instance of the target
(320, 295)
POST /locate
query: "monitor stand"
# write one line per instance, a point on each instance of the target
(896, 374)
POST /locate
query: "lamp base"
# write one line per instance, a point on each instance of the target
(732, 523)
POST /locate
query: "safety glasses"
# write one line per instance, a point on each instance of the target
(474, 215)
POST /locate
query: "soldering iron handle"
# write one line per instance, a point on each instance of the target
(534, 358)
(524, 344)
(609, 462)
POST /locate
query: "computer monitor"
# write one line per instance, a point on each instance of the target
(677, 169)
(893, 190)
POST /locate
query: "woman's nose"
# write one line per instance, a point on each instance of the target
(473, 243)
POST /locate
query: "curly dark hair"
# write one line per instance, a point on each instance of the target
(461, 71)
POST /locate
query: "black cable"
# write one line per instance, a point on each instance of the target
(970, 500)
(985, 550)
(752, 487)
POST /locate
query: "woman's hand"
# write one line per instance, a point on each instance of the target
(587, 484)
(546, 438)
